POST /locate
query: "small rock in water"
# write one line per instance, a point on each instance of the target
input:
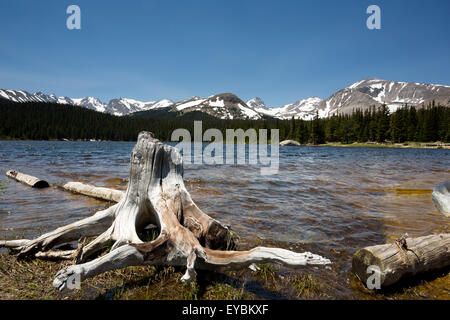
(289, 143)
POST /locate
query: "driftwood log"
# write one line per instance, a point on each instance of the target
(102, 193)
(95, 192)
(405, 258)
(156, 195)
(27, 179)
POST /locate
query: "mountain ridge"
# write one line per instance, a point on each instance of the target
(359, 95)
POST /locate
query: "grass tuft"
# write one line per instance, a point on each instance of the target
(265, 272)
(306, 285)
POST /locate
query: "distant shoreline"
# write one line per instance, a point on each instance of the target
(405, 145)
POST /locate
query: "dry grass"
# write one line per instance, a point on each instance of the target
(32, 279)
(224, 291)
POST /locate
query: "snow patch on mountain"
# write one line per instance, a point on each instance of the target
(218, 103)
(195, 101)
(249, 113)
(162, 104)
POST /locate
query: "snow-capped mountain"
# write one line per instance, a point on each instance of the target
(24, 96)
(302, 109)
(360, 95)
(369, 92)
(222, 106)
(88, 102)
(125, 106)
(119, 107)
(257, 104)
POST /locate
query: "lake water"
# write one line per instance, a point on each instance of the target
(331, 201)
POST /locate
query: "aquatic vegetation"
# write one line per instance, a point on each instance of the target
(2, 186)
(306, 285)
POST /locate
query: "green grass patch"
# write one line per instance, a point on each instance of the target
(306, 285)
(265, 272)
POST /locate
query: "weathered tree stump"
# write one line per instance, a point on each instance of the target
(155, 195)
(404, 258)
(27, 179)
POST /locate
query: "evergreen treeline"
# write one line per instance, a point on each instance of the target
(48, 121)
(406, 124)
(45, 121)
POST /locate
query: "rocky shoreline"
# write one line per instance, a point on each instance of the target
(406, 145)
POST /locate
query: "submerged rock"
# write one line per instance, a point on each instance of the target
(289, 143)
(441, 197)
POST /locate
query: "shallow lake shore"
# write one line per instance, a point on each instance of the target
(405, 145)
(32, 279)
(330, 201)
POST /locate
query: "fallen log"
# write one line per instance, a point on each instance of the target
(75, 187)
(156, 195)
(95, 192)
(441, 197)
(405, 258)
(27, 179)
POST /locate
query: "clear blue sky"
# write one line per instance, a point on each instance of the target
(281, 51)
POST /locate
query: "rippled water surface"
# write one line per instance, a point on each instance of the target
(331, 201)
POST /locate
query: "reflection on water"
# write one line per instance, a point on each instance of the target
(332, 201)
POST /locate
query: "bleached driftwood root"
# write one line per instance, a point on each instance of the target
(56, 254)
(156, 195)
(27, 179)
(441, 197)
(89, 227)
(95, 192)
